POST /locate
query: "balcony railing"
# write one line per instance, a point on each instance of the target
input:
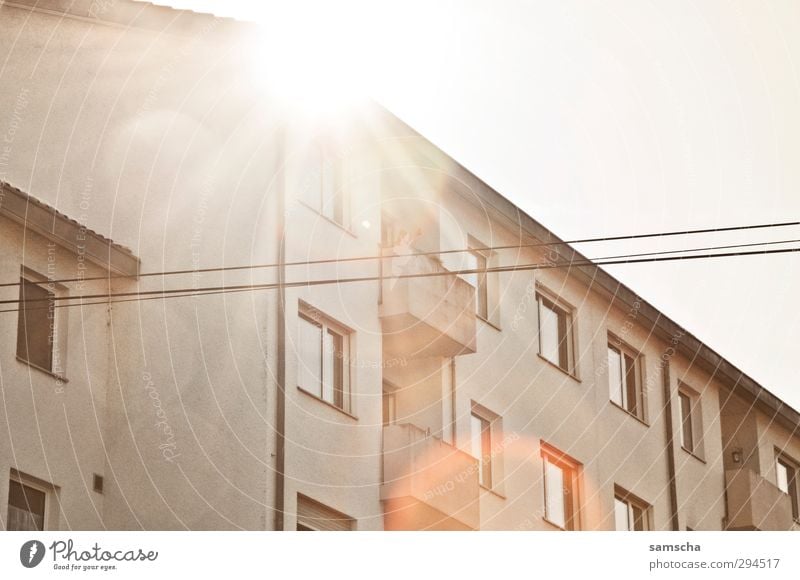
(427, 484)
(755, 503)
(429, 312)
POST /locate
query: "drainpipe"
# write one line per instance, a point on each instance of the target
(673, 485)
(280, 399)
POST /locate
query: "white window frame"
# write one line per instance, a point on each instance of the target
(558, 307)
(327, 326)
(485, 283)
(623, 349)
(792, 488)
(324, 160)
(695, 420)
(570, 492)
(389, 399)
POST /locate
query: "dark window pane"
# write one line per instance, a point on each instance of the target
(337, 343)
(563, 342)
(389, 408)
(25, 507)
(638, 518)
(631, 390)
(686, 422)
(486, 449)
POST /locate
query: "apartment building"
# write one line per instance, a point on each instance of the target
(412, 351)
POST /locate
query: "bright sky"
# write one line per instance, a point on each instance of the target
(604, 118)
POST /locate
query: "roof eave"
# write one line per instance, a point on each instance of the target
(36, 216)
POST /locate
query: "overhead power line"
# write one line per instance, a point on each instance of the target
(345, 260)
(187, 292)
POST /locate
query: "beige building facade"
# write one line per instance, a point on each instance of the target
(320, 321)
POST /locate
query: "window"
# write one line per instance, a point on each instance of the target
(485, 283)
(389, 405)
(630, 513)
(560, 488)
(26, 507)
(624, 379)
(323, 348)
(448, 400)
(687, 435)
(477, 261)
(36, 324)
(323, 186)
(691, 428)
(481, 444)
(787, 482)
(389, 230)
(555, 334)
(314, 516)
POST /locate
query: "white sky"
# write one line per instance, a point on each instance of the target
(606, 118)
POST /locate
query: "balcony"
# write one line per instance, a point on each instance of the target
(426, 316)
(427, 484)
(754, 503)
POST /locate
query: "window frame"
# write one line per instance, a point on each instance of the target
(312, 515)
(792, 487)
(695, 420)
(632, 502)
(487, 305)
(342, 380)
(481, 284)
(324, 159)
(449, 422)
(623, 349)
(50, 491)
(568, 349)
(57, 332)
(388, 394)
(571, 487)
(485, 458)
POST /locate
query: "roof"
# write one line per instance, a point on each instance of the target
(37, 216)
(599, 280)
(136, 14)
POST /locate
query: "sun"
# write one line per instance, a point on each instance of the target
(316, 60)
